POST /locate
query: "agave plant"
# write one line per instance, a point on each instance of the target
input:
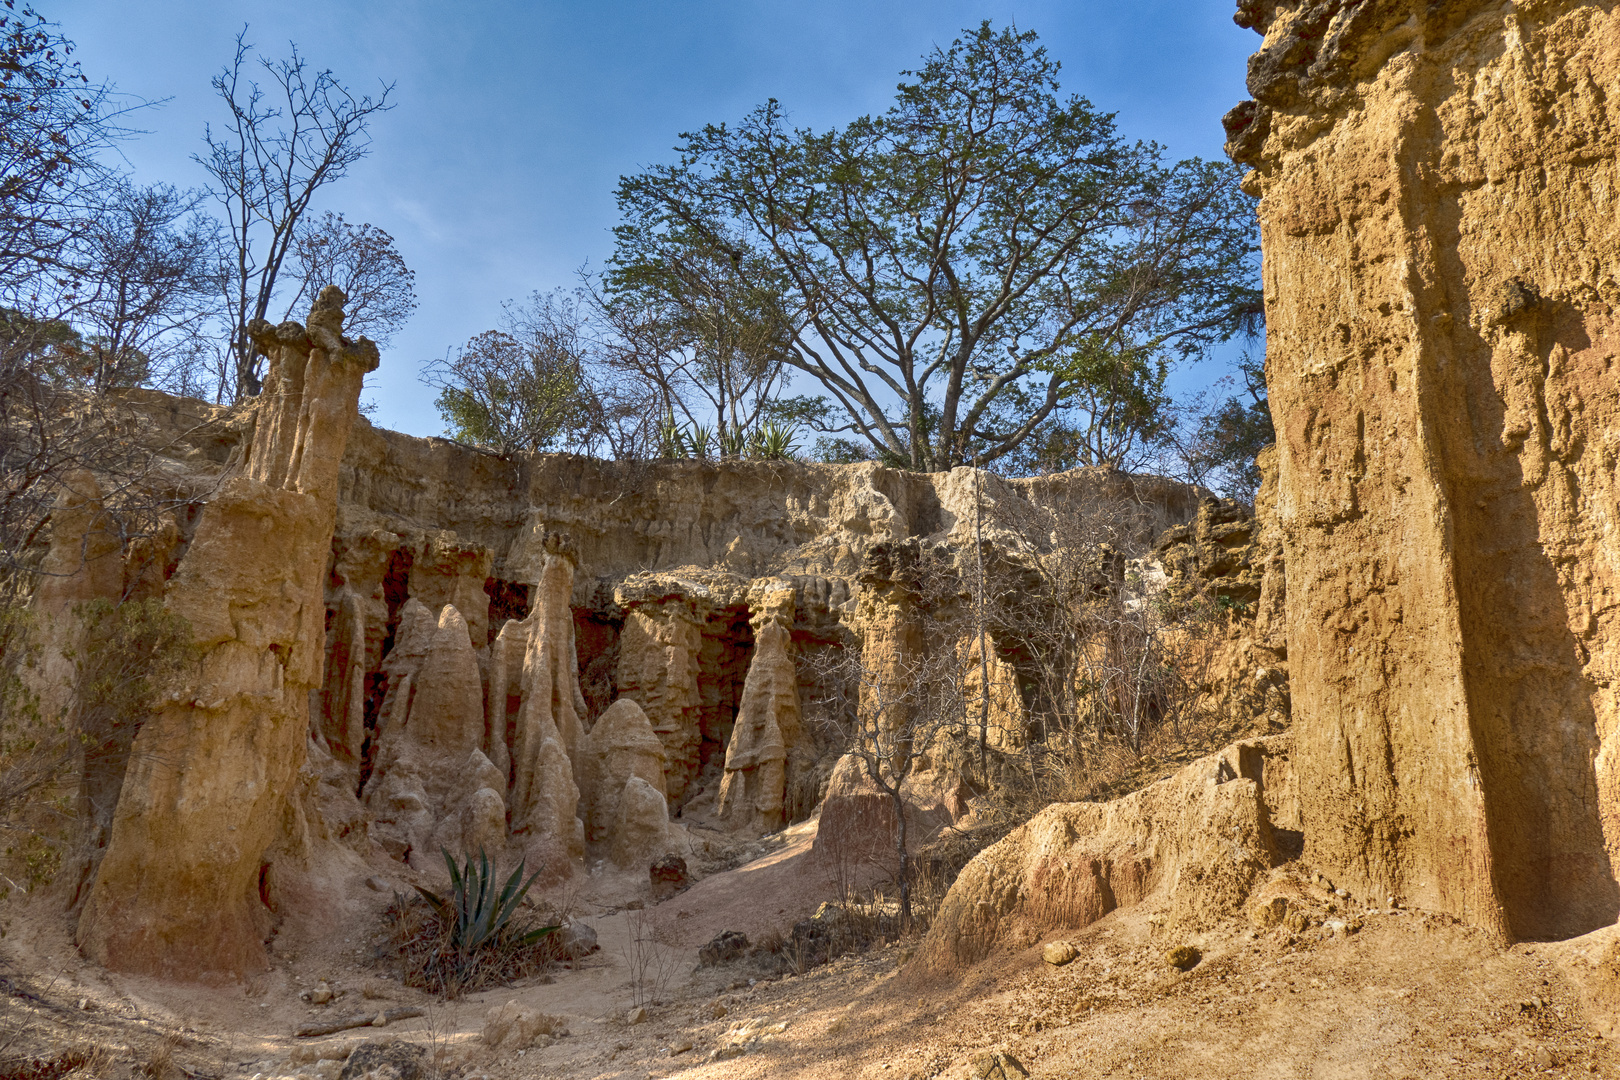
(733, 443)
(478, 913)
(774, 441)
(698, 439)
(671, 439)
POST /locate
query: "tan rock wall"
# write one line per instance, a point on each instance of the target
(178, 892)
(1441, 225)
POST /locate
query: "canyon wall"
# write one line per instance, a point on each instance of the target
(411, 645)
(1440, 216)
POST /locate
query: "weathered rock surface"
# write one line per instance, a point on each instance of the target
(754, 789)
(1195, 843)
(621, 746)
(205, 793)
(433, 786)
(1441, 240)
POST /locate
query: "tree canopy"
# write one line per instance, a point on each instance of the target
(954, 270)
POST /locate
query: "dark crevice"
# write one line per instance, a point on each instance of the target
(507, 600)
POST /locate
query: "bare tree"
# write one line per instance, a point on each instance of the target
(363, 262)
(147, 288)
(53, 124)
(278, 149)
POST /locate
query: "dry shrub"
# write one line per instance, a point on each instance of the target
(47, 1068)
(651, 956)
(160, 1063)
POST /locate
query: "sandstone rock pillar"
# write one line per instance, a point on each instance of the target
(755, 784)
(658, 668)
(178, 892)
(550, 727)
(1441, 238)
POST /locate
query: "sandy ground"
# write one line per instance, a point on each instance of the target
(1394, 994)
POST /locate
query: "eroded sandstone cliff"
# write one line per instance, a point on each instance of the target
(410, 645)
(1441, 233)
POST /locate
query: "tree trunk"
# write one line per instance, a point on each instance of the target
(905, 858)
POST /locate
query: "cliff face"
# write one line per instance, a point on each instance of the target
(409, 644)
(1440, 214)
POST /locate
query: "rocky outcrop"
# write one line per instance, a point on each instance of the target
(1194, 844)
(433, 786)
(1442, 274)
(475, 679)
(547, 734)
(658, 668)
(203, 799)
(621, 747)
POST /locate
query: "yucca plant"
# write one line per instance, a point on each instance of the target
(475, 940)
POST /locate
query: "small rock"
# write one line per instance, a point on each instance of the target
(668, 875)
(1184, 957)
(321, 994)
(516, 1027)
(680, 1046)
(376, 884)
(730, 945)
(1269, 914)
(635, 905)
(575, 940)
(636, 1015)
(995, 1065)
(381, 1019)
(726, 1053)
(716, 1010)
(1058, 953)
(395, 1060)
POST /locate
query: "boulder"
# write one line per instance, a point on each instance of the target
(620, 745)
(1195, 843)
(641, 827)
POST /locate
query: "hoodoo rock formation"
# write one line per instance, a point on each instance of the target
(1440, 211)
(205, 791)
(409, 645)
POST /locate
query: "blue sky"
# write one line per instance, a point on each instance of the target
(495, 173)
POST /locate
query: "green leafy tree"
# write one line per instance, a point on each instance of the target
(523, 388)
(1221, 447)
(702, 321)
(943, 261)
